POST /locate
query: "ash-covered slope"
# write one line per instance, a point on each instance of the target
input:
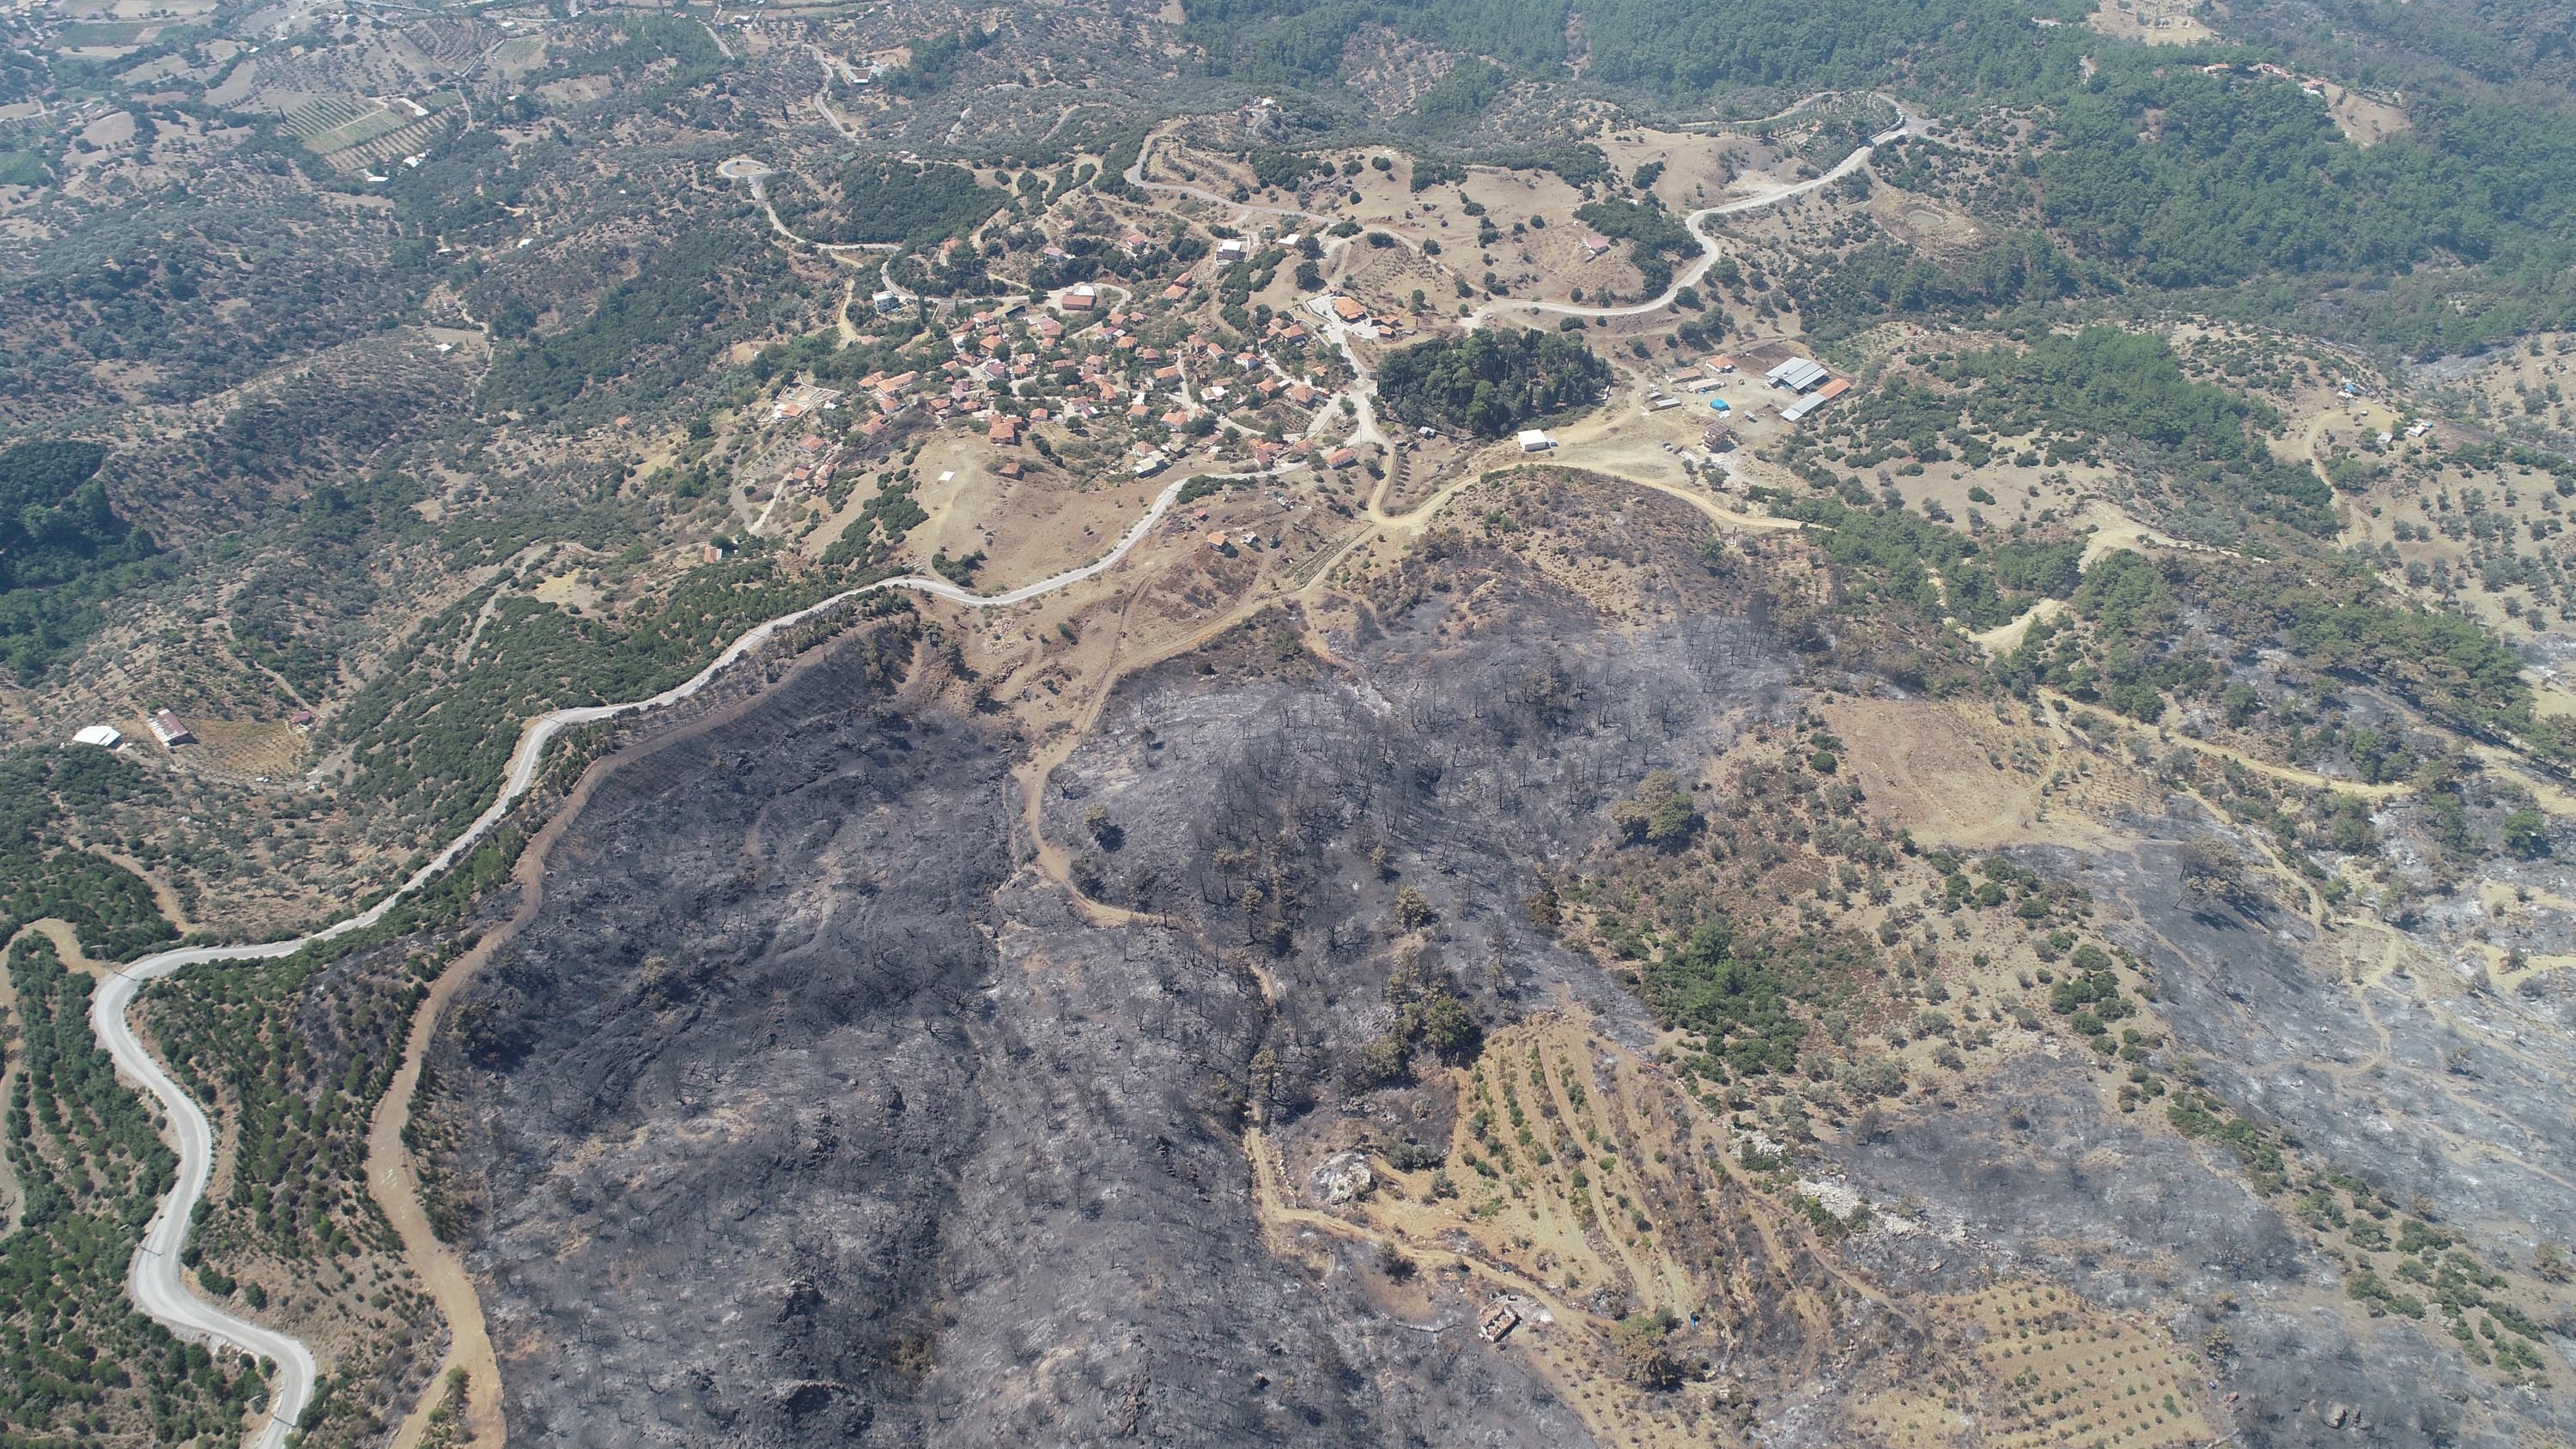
(2454, 1102)
(808, 1120)
(808, 1110)
(804, 1113)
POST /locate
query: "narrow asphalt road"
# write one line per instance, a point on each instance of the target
(823, 97)
(1134, 176)
(1709, 252)
(153, 1279)
(1906, 125)
(744, 168)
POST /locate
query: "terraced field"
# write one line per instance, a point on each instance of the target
(2077, 1375)
(368, 127)
(384, 149)
(315, 118)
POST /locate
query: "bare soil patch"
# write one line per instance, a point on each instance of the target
(2156, 22)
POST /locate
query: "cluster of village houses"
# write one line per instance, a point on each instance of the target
(1012, 368)
(1014, 365)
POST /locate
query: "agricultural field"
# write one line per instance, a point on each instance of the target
(326, 127)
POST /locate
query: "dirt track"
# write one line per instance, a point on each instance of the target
(392, 1177)
(153, 1278)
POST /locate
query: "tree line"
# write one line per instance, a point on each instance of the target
(1491, 381)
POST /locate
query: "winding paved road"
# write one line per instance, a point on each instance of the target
(744, 168)
(823, 95)
(1134, 176)
(153, 1279)
(1905, 126)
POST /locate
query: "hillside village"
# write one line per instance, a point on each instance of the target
(1639, 725)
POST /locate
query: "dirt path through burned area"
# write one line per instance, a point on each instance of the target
(1053, 860)
(1414, 522)
(153, 1279)
(1283, 1221)
(1056, 863)
(393, 1178)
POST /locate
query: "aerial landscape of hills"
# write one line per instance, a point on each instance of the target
(1288, 722)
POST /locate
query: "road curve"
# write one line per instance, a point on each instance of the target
(153, 1279)
(1134, 176)
(745, 168)
(823, 95)
(1905, 125)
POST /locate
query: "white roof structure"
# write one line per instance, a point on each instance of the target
(104, 736)
(1534, 441)
(1814, 400)
(1797, 374)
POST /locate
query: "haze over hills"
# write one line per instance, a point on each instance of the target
(1303, 723)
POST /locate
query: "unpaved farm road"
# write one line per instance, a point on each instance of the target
(153, 1279)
